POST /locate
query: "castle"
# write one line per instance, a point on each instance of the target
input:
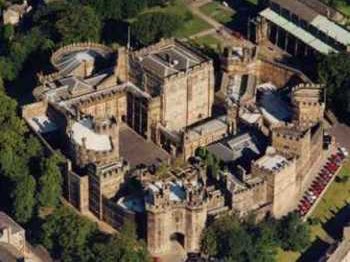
(131, 122)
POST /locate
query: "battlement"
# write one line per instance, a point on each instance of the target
(308, 94)
(307, 86)
(290, 131)
(111, 170)
(170, 59)
(74, 47)
(271, 163)
(250, 187)
(107, 127)
(199, 67)
(151, 48)
(43, 79)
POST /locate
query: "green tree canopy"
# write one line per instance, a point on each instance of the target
(79, 26)
(151, 27)
(293, 234)
(24, 198)
(231, 240)
(16, 152)
(121, 247)
(334, 73)
(50, 182)
(67, 235)
(71, 237)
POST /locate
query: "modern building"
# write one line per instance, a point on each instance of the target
(302, 28)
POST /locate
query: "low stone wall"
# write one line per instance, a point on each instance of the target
(279, 74)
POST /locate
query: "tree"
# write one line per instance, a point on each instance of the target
(151, 27)
(293, 234)
(78, 26)
(208, 243)
(107, 9)
(115, 249)
(8, 32)
(50, 182)
(232, 241)
(70, 237)
(16, 152)
(334, 73)
(24, 199)
(130, 8)
(265, 243)
(67, 235)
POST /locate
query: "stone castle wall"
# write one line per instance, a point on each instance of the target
(190, 145)
(188, 97)
(188, 222)
(278, 74)
(105, 107)
(75, 47)
(298, 145)
(247, 200)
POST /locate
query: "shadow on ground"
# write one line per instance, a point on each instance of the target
(316, 251)
(334, 228)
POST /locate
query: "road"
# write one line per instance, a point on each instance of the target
(341, 132)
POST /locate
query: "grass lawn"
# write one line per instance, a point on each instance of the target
(192, 25)
(334, 199)
(287, 256)
(254, 2)
(341, 5)
(218, 12)
(208, 40)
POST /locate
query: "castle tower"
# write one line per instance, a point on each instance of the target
(122, 67)
(295, 141)
(104, 183)
(181, 220)
(280, 174)
(232, 117)
(309, 104)
(94, 141)
(235, 59)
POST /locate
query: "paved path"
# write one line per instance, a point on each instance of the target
(341, 132)
(224, 32)
(203, 33)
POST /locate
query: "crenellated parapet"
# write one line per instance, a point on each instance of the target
(237, 59)
(76, 47)
(309, 103)
(289, 131)
(97, 143)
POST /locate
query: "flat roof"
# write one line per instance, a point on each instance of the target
(42, 124)
(94, 141)
(6, 221)
(170, 59)
(207, 126)
(272, 162)
(319, 21)
(297, 31)
(177, 190)
(331, 29)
